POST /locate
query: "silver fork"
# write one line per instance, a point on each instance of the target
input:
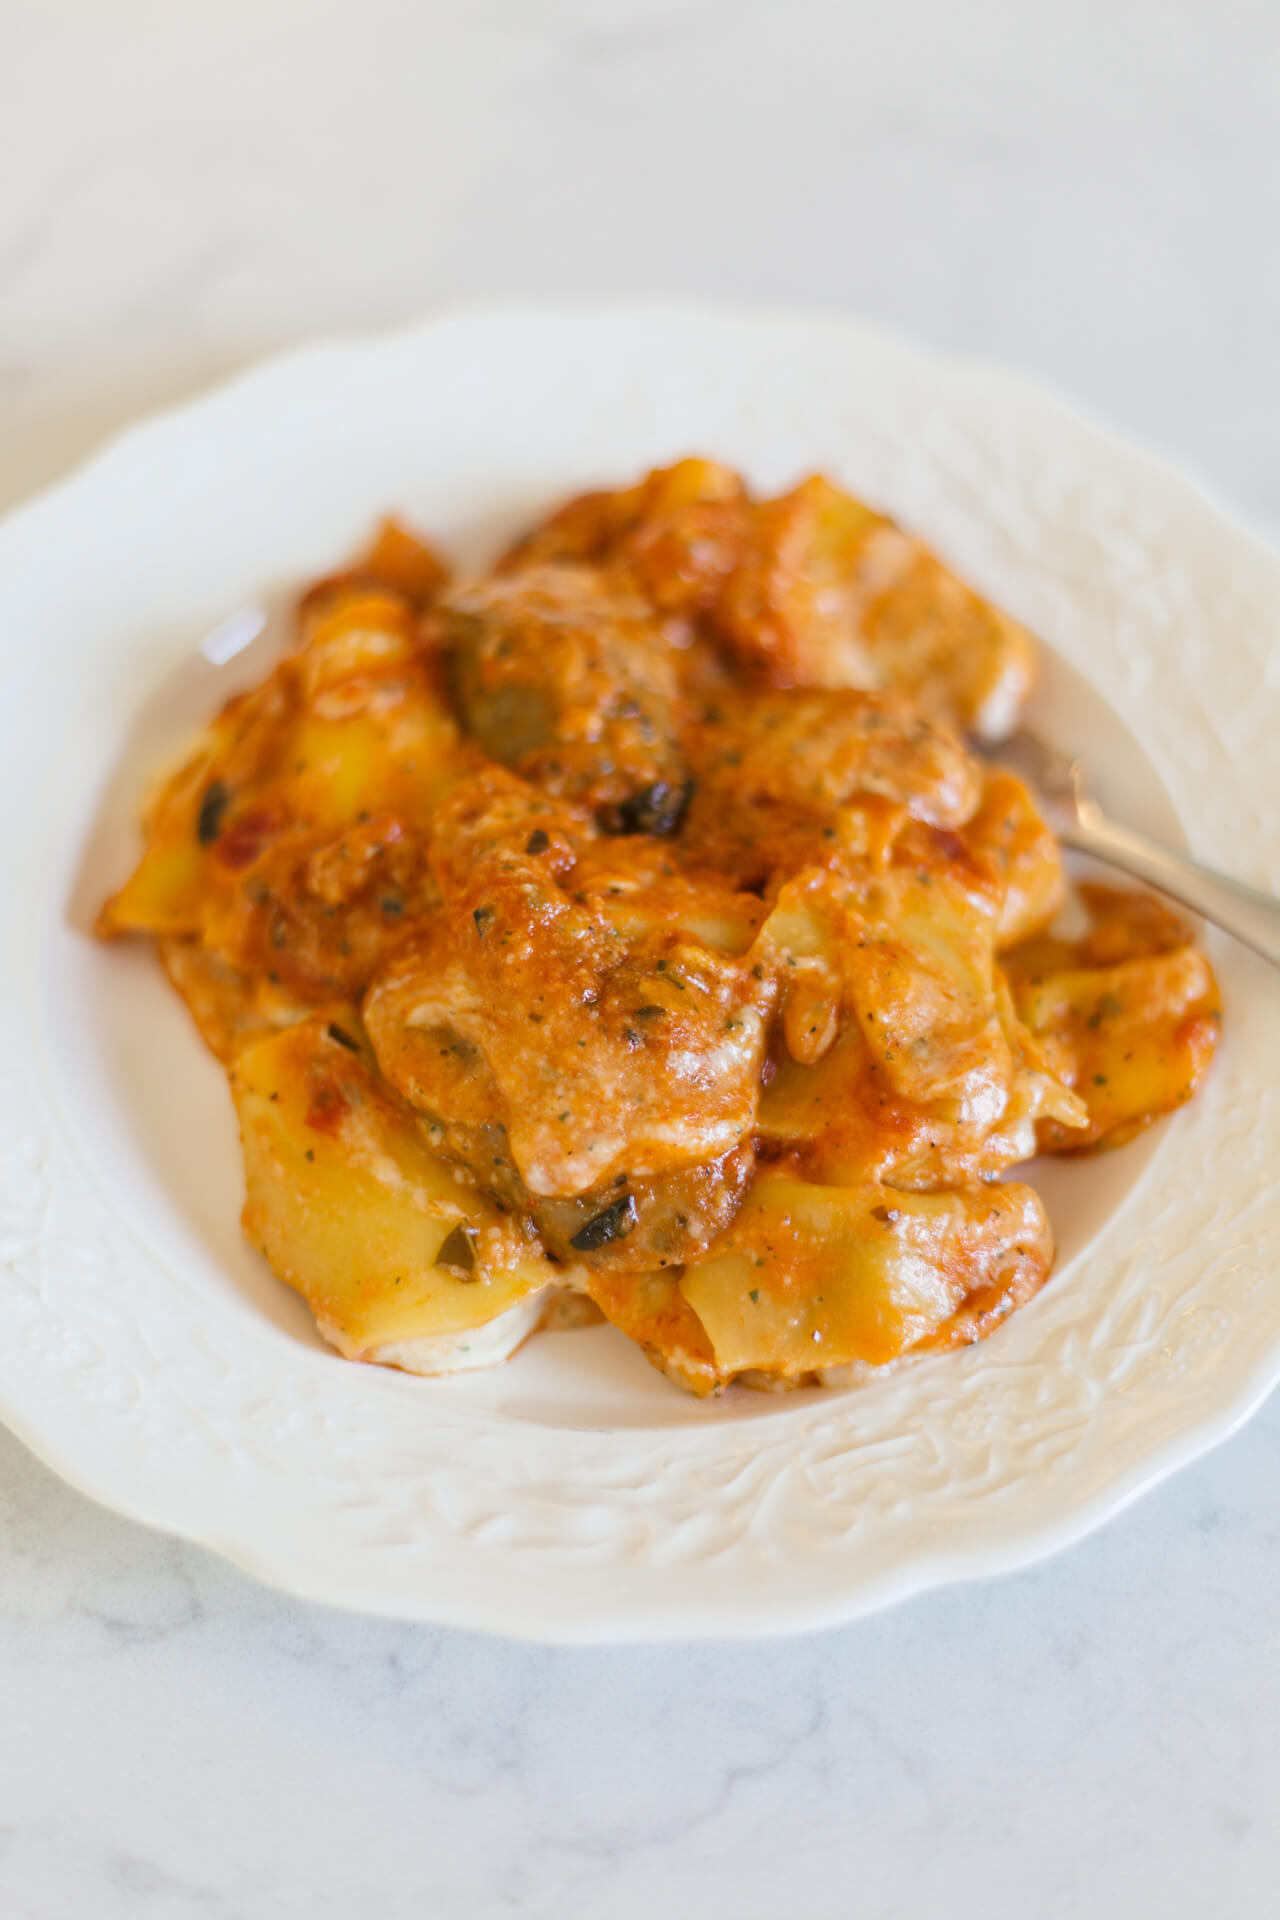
(1244, 912)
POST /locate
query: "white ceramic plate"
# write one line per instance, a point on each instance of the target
(574, 1495)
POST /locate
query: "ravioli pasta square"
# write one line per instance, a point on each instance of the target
(630, 931)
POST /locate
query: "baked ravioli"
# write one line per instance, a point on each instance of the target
(630, 932)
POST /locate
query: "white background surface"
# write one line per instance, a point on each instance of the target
(1091, 193)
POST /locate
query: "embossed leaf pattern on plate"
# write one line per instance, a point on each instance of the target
(140, 1375)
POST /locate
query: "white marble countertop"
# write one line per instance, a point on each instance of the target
(1091, 193)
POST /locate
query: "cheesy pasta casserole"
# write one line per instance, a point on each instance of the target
(629, 931)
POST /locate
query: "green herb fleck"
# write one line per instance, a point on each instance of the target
(212, 807)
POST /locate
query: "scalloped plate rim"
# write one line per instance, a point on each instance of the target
(589, 1628)
(682, 1617)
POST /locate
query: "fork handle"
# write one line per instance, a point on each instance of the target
(1243, 912)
